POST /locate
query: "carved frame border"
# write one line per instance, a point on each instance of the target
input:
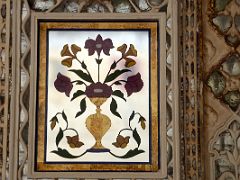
(160, 17)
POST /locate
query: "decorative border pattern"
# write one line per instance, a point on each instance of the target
(4, 85)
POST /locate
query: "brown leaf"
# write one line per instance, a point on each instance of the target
(67, 62)
(65, 51)
(122, 48)
(75, 49)
(131, 51)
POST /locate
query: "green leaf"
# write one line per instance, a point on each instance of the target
(82, 75)
(64, 116)
(117, 83)
(114, 64)
(130, 153)
(64, 153)
(78, 82)
(136, 137)
(59, 136)
(84, 66)
(77, 94)
(115, 74)
(119, 94)
(132, 116)
(113, 108)
(99, 61)
(82, 107)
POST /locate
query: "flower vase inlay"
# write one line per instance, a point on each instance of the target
(98, 124)
(98, 92)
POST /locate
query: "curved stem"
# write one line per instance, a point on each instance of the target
(82, 82)
(70, 129)
(117, 81)
(138, 113)
(58, 113)
(125, 129)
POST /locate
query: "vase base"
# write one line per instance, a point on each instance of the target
(95, 150)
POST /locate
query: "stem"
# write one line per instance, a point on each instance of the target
(98, 59)
(117, 81)
(70, 129)
(77, 81)
(98, 72)
(138, 114)
(125, 129)
(116, 64)
(58, 113)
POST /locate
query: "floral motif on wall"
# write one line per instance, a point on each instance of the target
(98, 92)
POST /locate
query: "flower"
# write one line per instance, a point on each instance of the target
(98, 90)
(53, 121)
(63, 84)
(98, 45)
(131, 51)
(129, 62)
(125, 54)
(134, 84)
(142, 121)
(66, 52)
(74, 141)
(121, 142)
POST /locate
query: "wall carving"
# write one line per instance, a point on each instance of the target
(22, 47)
(221, 78)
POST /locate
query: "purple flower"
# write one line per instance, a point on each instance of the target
(134, 84)
(63, 84)
(98, 90)
(98, 45)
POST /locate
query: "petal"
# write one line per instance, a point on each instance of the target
(75, 138)
(131, 51)
(106, 51)
(123, 145)
(67, 62)
(90, 43)
(120, 139)
(75, 49)
(99, 39)
(65, 51)
(72, 145)
(69, 139)
(122, 48)
(108, 43)
(126, 139)
(79, 144)
(116, 144)
(68, 89)
(91, 51)
(129, 62)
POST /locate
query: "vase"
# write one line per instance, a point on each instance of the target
(98, 124)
